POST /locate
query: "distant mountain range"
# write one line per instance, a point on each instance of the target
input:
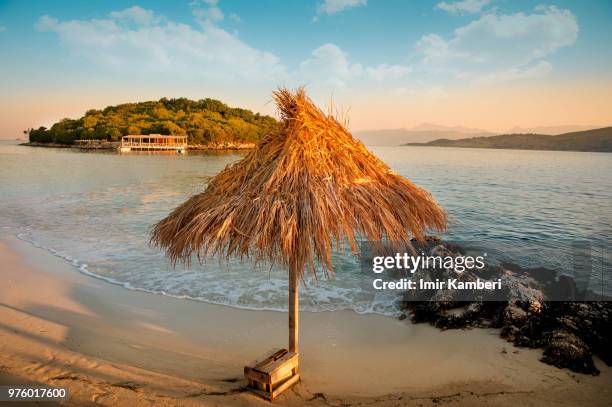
(426, 132)
(419, 134)
(597, 140)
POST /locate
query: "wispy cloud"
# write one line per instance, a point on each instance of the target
(2, 28)
(330, 65)
(138, 39)
(463, 6)
(136, 15)
(206, 11)
(384, 72)
(335, 6)
(502, 46)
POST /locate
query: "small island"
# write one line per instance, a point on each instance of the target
(207, 124)
(596, 140)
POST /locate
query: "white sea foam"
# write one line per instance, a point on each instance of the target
(316, 299)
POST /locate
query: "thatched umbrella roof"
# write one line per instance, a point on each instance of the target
(307, 186)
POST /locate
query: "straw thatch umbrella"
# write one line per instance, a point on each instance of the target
(305, 188)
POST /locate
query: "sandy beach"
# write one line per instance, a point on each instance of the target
(113, 346)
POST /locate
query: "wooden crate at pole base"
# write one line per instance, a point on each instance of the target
(273, 373)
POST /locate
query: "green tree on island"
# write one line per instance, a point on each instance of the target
(202, 121)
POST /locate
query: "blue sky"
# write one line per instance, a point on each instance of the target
(389, 63)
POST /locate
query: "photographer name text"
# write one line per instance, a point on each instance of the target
(404, 262)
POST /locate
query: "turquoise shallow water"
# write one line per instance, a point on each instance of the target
(96, 209)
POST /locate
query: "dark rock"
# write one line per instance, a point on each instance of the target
(564, 349)
(569, 332)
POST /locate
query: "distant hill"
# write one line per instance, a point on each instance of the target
(597, 140)
(202, 121)
(549, 130)
(419, 134)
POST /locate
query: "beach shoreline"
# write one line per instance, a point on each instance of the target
(110, 345)
(115, 145)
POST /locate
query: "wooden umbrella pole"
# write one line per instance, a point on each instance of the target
(294, 309)
(275, 372)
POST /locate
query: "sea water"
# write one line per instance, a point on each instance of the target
(96, 210)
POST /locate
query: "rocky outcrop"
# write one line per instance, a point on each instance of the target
(569, 332)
